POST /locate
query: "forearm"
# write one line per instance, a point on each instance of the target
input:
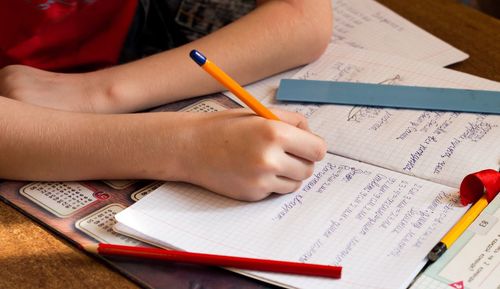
(233, 152)
(43, 144)
(276, 36)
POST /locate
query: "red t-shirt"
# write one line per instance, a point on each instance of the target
(62, 35)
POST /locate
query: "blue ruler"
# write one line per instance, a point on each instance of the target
(410, 97)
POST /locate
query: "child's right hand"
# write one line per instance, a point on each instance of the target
(246, 157)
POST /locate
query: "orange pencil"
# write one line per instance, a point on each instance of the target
(232, 85)
(217, 260)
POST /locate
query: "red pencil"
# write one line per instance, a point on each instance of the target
(217, 260)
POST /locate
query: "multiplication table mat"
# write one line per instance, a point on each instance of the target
(61, 199)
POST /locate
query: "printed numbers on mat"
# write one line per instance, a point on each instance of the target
(99, 225)
(139, 194)
(206, 105)
(61, 199)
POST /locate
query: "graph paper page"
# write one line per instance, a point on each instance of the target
(439, 146)
(370, 25)
(378, 224)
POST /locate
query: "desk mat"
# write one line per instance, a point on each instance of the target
(83, 213)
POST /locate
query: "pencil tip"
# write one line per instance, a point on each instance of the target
(91, 248)
(436, 252)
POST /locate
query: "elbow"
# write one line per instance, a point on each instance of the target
(314, 24)
(320, 42)
(319, 25)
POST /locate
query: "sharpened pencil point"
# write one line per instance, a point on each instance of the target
(91, 248)
(437, 251)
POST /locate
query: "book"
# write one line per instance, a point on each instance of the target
(384, 195)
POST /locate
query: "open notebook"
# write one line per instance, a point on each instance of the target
(370, 25)
(379, 201)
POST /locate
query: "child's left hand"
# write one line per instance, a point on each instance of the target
(63, 91)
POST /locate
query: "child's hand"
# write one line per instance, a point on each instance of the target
(71, 92)
(247, 157)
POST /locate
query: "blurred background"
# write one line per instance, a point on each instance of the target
(491, 7)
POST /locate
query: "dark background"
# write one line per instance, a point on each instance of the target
(491, 7)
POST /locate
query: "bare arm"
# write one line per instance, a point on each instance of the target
(43, 144)
(234, 153)
(276, 36)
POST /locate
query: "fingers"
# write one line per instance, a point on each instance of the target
(303, 144)
(290, 172)
(295, 168)
(300, 142)
(284, 185)
(260, 156)
(292, 118)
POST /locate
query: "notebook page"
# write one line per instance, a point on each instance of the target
(127, 231)
(439, 146)
(376, 223)
(368, 24)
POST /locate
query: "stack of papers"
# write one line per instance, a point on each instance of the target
(385, 193)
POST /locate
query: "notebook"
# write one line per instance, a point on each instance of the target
(376, 223)
(380, 200)
(438, 146)
(369, 25)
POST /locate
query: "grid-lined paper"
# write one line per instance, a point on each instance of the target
(369, 25)
(376, 223)
(439, 146)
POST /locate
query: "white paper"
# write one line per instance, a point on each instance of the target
(439, 146)
(376, 223)
(370, 25)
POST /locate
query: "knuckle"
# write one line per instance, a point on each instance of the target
(262, 187)
(298, 186)
(259, 190)
(10, 71)
(271, 133)
(14, 92)
(264, 163)
(10, 77)
(300, 118)
(308, 172)
(268, 166)
(320, 150)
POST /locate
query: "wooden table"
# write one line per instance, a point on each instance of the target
(31, 257)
